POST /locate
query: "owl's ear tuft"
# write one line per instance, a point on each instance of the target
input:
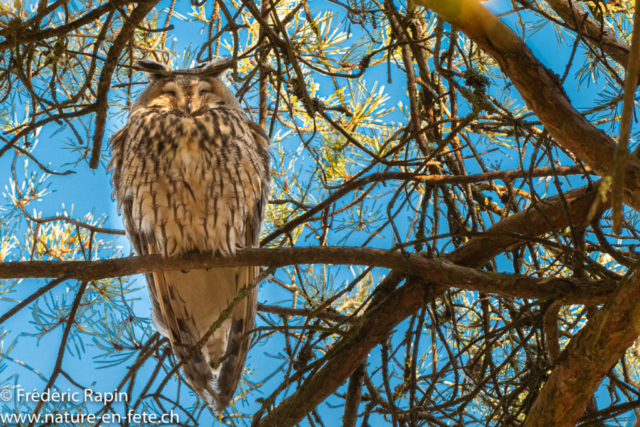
(152, 69)
(217, 67)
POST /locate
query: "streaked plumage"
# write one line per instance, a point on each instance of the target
(191, 172)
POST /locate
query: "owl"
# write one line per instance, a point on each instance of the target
(191, 173)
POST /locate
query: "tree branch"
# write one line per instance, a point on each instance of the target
(574, 15)
(535, 83)
(350, 351)
(543, 217)
(587, 359)
(443, 272)
(42, 34)
(113, 57)
(352, 400)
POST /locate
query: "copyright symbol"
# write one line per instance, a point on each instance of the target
(6, 395)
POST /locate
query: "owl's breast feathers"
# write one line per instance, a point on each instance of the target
(193, 182)
(196, 183)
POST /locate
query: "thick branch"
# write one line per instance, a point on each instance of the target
(545, 216)
(350, 351)
(354, 393)
(587, 359)
(544, 96)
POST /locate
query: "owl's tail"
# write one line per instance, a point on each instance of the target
(191, 303)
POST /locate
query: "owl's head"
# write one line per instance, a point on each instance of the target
(185, 92)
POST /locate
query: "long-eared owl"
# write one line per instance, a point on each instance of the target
(191, 172)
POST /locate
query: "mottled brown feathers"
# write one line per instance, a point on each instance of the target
(191, 172)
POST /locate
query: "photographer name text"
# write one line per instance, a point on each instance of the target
(71, 396)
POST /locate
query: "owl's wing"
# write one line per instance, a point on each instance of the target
(142, 247)
(243, 320)
(171, 299)
(244, 315)
(138, 241)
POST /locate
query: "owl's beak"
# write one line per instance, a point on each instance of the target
(186, 104)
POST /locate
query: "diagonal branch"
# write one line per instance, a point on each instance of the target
(588, 358)
(574, 15)
(113, 57)
(350, 351)
(536, 84)
(621, 155)
(542, 218)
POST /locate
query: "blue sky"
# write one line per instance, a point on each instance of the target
(90, 191)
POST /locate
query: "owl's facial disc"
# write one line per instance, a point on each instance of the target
(190, 96)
